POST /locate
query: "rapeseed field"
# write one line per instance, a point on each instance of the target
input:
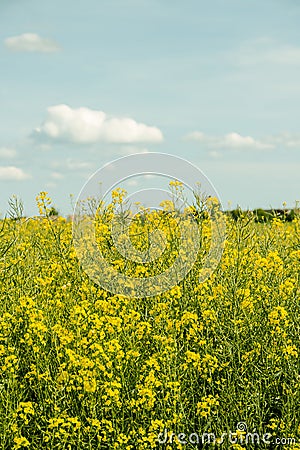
(84, 368)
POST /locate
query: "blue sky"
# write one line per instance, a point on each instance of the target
(215, 82)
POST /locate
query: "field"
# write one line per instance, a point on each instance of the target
(84, 369)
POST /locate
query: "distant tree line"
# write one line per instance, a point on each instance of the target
(265, 215)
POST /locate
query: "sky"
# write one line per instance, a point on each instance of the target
(217, 83)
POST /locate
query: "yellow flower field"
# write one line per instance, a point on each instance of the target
(81, 368)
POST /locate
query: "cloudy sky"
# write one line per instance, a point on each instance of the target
(85, 82)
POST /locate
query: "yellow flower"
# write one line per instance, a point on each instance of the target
(21, 442)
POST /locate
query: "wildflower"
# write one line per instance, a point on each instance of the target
(21, 442)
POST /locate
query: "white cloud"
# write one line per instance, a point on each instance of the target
(235, 140)
(31, 42)
(230, 141)
(44, 147)
(266, 51)
(284, 140)
(57, 175)
(6, 152)
(87, 126)
(77, 165)
(215, 154)
(12, 173)
(70, 164)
